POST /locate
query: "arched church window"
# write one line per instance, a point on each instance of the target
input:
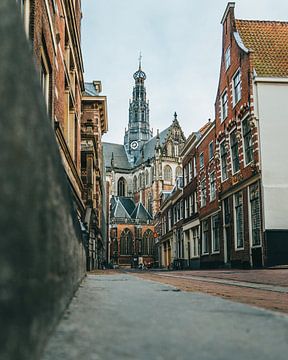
(139, 181)
(148, 243)
(178, 172)
(151, 174)
(121, 191)
(168, 174)
(126, 242)
(146, 177)
(135, 183)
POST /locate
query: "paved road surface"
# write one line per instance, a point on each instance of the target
(123, 317)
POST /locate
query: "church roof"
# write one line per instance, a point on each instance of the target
(125, 208)
(149, 147)
(141, 213)
(119, 156)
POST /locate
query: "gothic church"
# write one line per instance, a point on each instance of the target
(138, 173)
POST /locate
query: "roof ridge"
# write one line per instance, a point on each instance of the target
(263, 21)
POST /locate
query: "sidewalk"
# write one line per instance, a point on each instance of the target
(120, 316)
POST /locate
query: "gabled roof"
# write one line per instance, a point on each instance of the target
(268, 41)
(141, 213)
(119, 156)
(125, 208)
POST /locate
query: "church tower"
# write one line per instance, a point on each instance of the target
(138, 132)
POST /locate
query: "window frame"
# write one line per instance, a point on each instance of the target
(239, 245)
(217, 217)
(203, 200)
(237, 89)
(244, 135)
(212, 183)
(201, 156)
(233, 146)
(224, 105)
(223, 143)
(227, 58)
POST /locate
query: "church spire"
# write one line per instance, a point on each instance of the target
(138, 132)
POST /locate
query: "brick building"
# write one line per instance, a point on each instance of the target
(241, 181)
(131, 233)
(93, 126)
(53, 29)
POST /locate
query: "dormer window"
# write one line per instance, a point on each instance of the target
(227, 58)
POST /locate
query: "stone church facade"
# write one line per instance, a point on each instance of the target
(140, 170)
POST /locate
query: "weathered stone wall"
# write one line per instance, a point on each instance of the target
(41, 254)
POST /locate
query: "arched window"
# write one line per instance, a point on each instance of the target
(167, 173)
(121, 187)
(148, 243)
(178, 172)
(135, 183)
(146, 178)
(126, 242)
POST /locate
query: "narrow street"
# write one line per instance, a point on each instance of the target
(265, 288)
(122, 316)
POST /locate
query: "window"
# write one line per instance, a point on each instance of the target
(223, 156)
(45, 78)
(205, 238)
(195, 201)
(191, 204)
(237, 87)
(211, 150)
(215, 233)
(255, 214)
(212, 186)
(201, 160)
(190, 171)
(239, 223)
(194, 166)
(248, 146)
(224, 105)
(203, 193)
(126, 242)
(187, 208)
(121, 186)
(195, 234)
(167, 174)
(235, 152)
(227, 58)
(148, 243)
(185, 175)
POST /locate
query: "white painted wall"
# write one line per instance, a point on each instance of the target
(271, 108)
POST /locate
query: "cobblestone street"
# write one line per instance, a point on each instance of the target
(266, 288)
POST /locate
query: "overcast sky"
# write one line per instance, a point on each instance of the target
(180, 41)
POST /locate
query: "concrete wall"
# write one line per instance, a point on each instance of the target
(41, 254)
(271, 107)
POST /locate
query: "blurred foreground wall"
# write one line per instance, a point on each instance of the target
(42, 259)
